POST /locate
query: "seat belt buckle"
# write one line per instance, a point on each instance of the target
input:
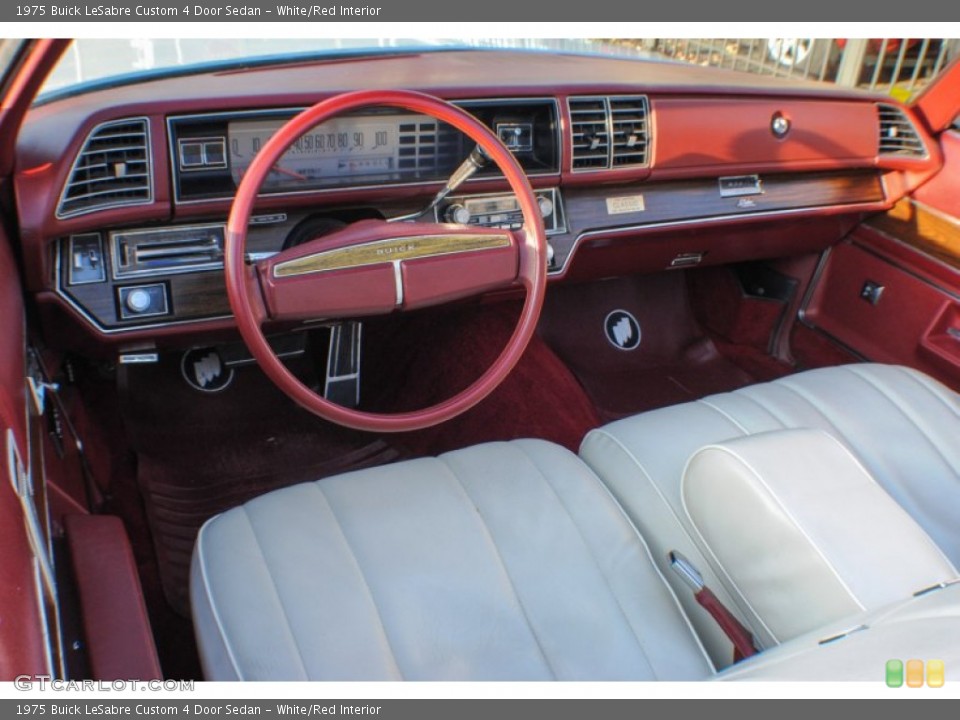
(744, 644)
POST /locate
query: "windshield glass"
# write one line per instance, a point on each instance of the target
(89, 62)
(900, 67)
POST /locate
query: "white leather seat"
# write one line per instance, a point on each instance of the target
(800, 534)
(900, 424)
(500, 561)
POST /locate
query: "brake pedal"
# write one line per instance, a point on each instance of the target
(342, 384)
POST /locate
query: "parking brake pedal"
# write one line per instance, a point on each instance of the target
(342, 384)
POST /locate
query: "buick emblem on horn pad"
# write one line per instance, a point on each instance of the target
(204, 370)
(623, 330)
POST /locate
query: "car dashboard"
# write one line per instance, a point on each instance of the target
(123, 192)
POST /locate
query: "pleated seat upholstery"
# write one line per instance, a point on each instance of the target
(900, 424)
(504, 561)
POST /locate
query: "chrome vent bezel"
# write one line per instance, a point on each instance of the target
(626, 150)
(603, 119)
(589, 118)
(139, 194)
(898, 136)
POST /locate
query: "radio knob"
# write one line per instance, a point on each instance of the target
(138, 300)
(457, 213)
(546, 206)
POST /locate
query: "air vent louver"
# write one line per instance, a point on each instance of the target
(609, 132)
(898, 136)
(589, 124)
(630, 131)
(112, 169)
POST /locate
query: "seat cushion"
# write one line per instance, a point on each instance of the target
(901, 425)
(500, 561)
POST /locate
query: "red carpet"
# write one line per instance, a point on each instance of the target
(678, 359)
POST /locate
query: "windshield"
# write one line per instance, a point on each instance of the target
(899, 67)
(89, 62)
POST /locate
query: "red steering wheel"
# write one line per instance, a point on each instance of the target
(375, 267)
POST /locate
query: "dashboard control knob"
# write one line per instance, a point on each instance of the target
(457, 213)
(549, 255)
(546, 206)
(138, 300)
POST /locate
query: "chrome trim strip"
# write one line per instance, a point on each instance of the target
(148, 140)
(627, 229)
(389, 250)
(398, 281)
(14, 465)
(462, 104)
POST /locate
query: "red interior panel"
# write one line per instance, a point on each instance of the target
(653, 250)
(913, 322)
(704, 133)
(12, 403)
(943, 190)
(119, 640)
(21, 642)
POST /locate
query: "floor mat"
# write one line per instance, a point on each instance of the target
(676, 360)
(200, 454)
(426, 358)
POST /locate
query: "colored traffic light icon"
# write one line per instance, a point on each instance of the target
(913, 673)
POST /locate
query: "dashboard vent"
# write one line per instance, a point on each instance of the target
(112, 169)
(590, 127)
(427, 146)
(898, 136)
(167, 250)
(609, 132)
(630, 130)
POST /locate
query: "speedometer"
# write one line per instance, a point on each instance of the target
(347, 150)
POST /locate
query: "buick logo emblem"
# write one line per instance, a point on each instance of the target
(623, 330)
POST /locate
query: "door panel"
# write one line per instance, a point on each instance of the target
(913, 320)
(22, 645)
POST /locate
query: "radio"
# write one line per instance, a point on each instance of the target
(502, 211)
